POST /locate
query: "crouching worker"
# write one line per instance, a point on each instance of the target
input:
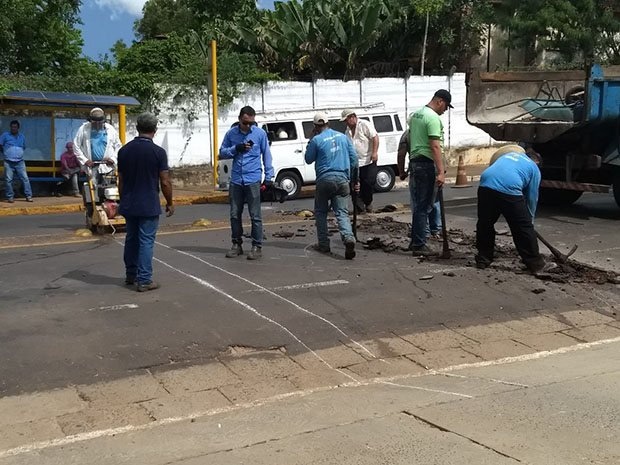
(509, 187)
(336, 166)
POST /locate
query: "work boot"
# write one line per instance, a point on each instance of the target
(29, 199)
(369, 208)
(256, 253)
(130, 280)
(147, 286)
(10, 200)
(423, 251)
(321, 248)
(349, 246)
(234, 251)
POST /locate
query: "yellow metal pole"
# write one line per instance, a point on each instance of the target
(121, 123)
(214, 94)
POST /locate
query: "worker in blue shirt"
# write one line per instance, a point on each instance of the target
(248, 147)
(12, 146)
(509, 187)
(336, 164)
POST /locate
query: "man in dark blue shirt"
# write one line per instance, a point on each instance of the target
(248, 146)
(13, 145)
(142, 168)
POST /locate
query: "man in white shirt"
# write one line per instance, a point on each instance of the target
(97, 141)
(366, 143)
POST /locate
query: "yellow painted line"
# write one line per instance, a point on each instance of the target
(164, 233)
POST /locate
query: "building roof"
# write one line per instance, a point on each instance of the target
(65, 99)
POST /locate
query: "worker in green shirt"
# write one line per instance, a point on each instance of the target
(426, 165)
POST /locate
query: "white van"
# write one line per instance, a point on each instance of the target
(289, 133)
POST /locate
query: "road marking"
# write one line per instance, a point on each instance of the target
(307, 285)
(493, 380)
(419, 388)
(113, 307)
(269, 291)
(81, 437)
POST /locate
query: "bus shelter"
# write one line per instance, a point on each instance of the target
(49, 120)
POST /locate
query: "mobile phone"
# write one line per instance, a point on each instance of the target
(251, 142)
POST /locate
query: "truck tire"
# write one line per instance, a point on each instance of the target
(558, 197)
(616, 187)
(291, 183)
(385, 179)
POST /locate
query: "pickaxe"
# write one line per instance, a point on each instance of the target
(560, 257)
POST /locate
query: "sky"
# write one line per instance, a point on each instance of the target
(106, 21)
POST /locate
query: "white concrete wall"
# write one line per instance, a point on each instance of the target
(189, 142)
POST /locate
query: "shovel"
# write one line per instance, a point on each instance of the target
(445, 253)
(560, 257)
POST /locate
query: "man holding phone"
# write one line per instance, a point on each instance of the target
(248, 146)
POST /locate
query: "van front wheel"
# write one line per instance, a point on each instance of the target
(291, 183)
(385, 179)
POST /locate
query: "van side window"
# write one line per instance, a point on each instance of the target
(281, 131)
(383, 123)
(334, 124)
(399, 127)
(365, 118)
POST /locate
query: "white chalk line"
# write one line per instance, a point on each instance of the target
(113, 307)
(419, 388)
(493, 380)
(274, 294)
(336, 282)
(302, 393)
(256, 312)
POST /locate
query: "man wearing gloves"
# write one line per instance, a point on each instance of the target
(336, 165)
(248, 147)
(509, 187)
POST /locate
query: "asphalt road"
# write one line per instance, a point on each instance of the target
(67, 317)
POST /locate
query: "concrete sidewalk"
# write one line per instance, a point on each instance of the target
(186, 196)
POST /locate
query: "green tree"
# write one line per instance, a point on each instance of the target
(577, 29)
(160, 17)
(39, 36)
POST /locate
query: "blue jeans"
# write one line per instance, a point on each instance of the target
(238, 195)
(139, 242)
(423, 195)
(19, 167)
(434, 217)
(332, 192)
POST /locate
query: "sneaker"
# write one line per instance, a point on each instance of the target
(435, 235)
(547, 268)
(256, 253)
(234, 251)
(369, 209)
(29, 199)
(349, 246)
(10, 200)
(130, 280)
(148, 286)
(423, 251)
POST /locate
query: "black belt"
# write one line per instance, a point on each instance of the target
(422, 159)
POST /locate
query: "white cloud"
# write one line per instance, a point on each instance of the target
(119, 7)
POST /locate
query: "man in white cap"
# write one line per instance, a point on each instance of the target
(97, 141)
(335, 163)
(365, 140)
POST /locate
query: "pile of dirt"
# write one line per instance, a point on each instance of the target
(385, 233)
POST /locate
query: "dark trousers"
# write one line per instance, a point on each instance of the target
(368, 177)
(238, 196)
(492, 204)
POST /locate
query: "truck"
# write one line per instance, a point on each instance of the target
(571, 118)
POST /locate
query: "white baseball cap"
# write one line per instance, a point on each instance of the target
(320, 119)
(346, 113)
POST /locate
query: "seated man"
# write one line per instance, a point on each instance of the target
(70, 169)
